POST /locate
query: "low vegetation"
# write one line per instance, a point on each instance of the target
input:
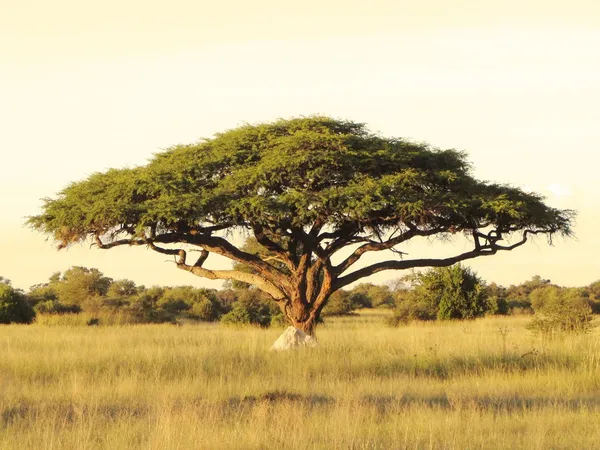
(485, 383)
(87, 297)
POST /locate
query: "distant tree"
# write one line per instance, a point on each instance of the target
(226, 299)
(592, 294)
(14, 307)
(305, 189)
(594, 290)
(42, 293)
(496, 299)
(340, 304)
(517, 296)
(143, 307)
(79, 284)
(122, 288)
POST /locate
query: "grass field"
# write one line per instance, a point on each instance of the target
(465, 385)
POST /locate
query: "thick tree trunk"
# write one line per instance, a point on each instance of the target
(303, 316)
(308, 326)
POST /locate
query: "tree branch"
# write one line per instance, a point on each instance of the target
(378, 246)
(272, 246)
(490, 249)
(266, 272)
(131, 241)
(238, 275)
(221, 246)
(249, 278)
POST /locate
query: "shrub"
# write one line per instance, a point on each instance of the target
(249, 309)
(14, 307)
(279, 320)
(496, 305)
(206, 309)
(444, 293)
(412, 309)
(55, 307)
(340, 303)
(560, 310)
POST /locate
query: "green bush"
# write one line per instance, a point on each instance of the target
(560, 310)
(340, 303)
(55, 307)
(250, 309)
(206, 309)
(442, 293)
(495, 305)
(411, 309)
(14, 307)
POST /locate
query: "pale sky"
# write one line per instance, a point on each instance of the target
(87, 86)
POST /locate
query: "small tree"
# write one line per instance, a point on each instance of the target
(79, 284)
(14, 307)
(305, 189)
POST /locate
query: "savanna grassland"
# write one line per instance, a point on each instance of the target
(456, 385)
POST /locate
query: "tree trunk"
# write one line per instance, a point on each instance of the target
(302, 317)
(308, 326)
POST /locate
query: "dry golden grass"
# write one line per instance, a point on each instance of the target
(465, 385)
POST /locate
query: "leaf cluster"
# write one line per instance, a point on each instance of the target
(292, 174)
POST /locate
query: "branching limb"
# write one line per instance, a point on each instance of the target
(372, 246)
(256, 280)
(479, 250)
(283, 255)
(268, 276)
(131, 241)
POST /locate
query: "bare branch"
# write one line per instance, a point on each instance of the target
(490, 249)
(385, 245)
(203, 256)
(131, 241)
(250, 278)
(283, 255)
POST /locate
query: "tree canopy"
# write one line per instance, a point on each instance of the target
(304, 189)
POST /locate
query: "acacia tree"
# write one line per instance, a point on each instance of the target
(316, 193)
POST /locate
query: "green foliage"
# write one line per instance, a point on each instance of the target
(14, 307)
(251, 308)
(306, 187)
(122, 288)
(496, 301)
(289, 174)
(54, 307)
(79, 284)
(560, 310)
(592, 292)
(462, 293)
(413, 308)
(365, 295)
(517, 296)
(340, 304)
(369, 295)
(444, 293)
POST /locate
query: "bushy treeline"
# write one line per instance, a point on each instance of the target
(105, 300)
(454, 292)
(83, 290)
